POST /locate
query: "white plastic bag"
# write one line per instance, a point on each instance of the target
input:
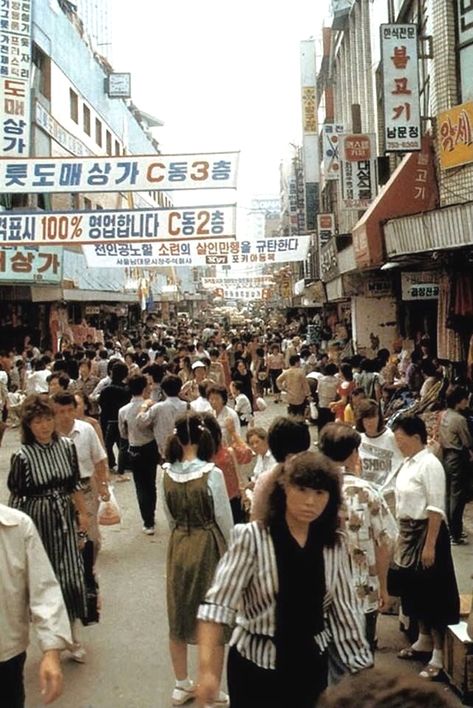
(314, 411)
(109, 511)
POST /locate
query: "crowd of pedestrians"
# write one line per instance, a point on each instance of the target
(285, 543)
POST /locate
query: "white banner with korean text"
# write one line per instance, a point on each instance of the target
(400, 87)
(197, 252)
(247, 281)
(358, 170)
(15, 75)
(121, 225)
(124, 173)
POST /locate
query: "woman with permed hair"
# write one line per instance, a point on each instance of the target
(199, 514)
(285, 587)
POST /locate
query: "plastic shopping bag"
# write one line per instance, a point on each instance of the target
(314, 412)
(109, 511)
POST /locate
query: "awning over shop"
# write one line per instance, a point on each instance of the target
(39, 294)
(412, 188)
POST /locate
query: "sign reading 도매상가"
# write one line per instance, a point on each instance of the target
(119, 225)
(197, 252)
(124, 173)
(400, 87)
(30, 264)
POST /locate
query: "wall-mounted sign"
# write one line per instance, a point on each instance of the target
(329, 261)
(118, 85)
(197, 252)
(331, 133)
(325, 228)
(124, 173)
(420, 286)
(400, 87)
(455, 136)
(30, 264)
(62, 136)
(358, 170)
(15, 76)
(118, 225)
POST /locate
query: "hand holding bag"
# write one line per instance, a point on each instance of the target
(109, 511)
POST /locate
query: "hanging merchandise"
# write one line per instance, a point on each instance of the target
(448, 341)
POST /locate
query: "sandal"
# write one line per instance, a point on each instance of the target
(408, 653)
(431, 673)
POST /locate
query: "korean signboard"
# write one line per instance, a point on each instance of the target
(310, 139)
(124, 173)
(465, 47)
(255, 281)
(331, 133)
(358, 170)
(31, 265)
(62, 136)
(400, 87)
(420, 286)
(455, 136)
(325, 228)
(329, 262)
(15, 71)
(197, 252)
(242, 293)
(122, 225)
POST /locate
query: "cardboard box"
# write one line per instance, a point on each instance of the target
(458, 655)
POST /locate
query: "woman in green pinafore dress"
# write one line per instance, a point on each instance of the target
(199, 514)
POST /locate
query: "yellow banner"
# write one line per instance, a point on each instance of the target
(455, 136)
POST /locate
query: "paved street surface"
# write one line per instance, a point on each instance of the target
(128, 664)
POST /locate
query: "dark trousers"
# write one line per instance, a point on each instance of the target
(297, 410)
(143, 461)
(325, 416)
(455, 463)
(12, 690)
(112, 437)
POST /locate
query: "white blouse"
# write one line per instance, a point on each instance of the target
(420, 487)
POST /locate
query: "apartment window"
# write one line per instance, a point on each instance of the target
(117, 147)
(109, 143)
(98, 132)
(74, 105)
(86, 118)
(41, 71)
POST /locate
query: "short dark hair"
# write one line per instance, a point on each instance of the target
(238, 385)
(137, 384)
(455, 394)
(387, 688)
(118, 371)
(34, 406)
(171, 385)
(286, 436)
(310, 469)
(220, 391)
(190, 429)
(368, 409)
(338, 441)
(63, 379)
(330, 369)
(64, 399)
(214, 428)
(294, 359)
(411, 425)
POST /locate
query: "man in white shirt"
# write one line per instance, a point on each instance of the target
(242, 403)
(162, 416)
(201, 404)
(218, 398)
(92, 459)
(37, 382)
(28, 589)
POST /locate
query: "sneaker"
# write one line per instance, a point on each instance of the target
(149, 531)
(222, 699)
(122, 478)
(459, 541)
(78, 654)
(180, 696)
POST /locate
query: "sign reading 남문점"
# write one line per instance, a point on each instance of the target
(197, 252)
(124, 173)
(358, 170)
(120, 225)
(400, 87)
(15, 75)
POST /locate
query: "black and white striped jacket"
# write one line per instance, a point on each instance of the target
(244, 592)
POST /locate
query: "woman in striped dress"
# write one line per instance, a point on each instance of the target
(44, 483)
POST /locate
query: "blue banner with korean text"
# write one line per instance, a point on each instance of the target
(124, 173)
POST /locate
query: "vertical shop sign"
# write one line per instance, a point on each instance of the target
(455, 136)
(358, 170)
(400, 87)
(325, 228)
(331, 133)
(310, 142)
(15, 71)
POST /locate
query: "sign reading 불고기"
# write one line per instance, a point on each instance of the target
(124, 173)
(30, 264)
(400, 87)
(358, 170)
(15, 71)
(122, 225)
(197, 252)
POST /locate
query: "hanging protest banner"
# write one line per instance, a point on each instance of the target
(400, 88)
(197, 252)
(246, 281)
(15, 75)
(123, 225)
(243, 293)
(123, 173)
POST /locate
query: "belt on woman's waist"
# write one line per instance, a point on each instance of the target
(187, 527)
(57, 496)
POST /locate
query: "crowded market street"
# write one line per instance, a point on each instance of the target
(128, 664)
